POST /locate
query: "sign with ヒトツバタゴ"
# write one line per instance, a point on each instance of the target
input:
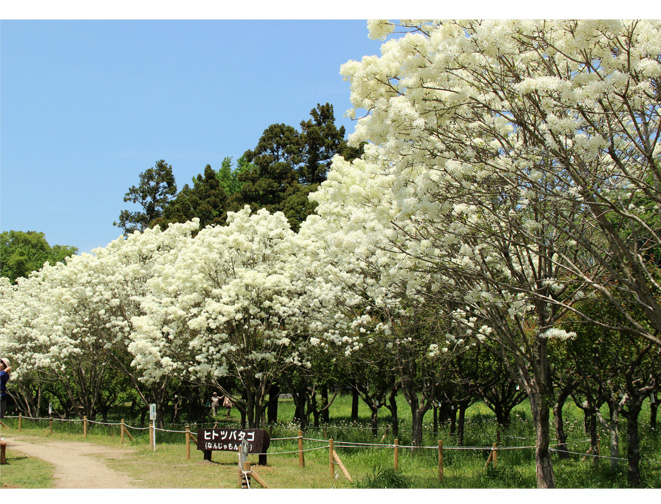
(209, 440)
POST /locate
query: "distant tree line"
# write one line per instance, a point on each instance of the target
(285, 166)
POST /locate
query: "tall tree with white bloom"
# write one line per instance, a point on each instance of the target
(228, 303)
(381, 294)
(517, 148)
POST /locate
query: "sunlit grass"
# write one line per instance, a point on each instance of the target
(369, 466)
(22, 471)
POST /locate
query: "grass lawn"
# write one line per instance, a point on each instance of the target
(368, 466)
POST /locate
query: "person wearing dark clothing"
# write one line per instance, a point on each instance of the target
(4, 378)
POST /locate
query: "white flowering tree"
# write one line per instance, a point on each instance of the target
(518, 150)
(381, 294)
(227, 304)
(46, 341)
(121, 271)
(71, 323)
(20, 341)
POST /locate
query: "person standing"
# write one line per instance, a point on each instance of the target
(215, 402)
(4, 378)
(227, 403)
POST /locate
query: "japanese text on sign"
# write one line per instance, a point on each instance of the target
(230, 439)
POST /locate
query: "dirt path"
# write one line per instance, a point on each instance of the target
(77, 465)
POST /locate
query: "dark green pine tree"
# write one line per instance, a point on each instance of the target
(157, 187)
(288, 165)
(274, 174)
(321, 139)
(278, 174)
(206, 200)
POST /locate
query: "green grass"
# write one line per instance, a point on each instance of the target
(369, 466)
(25, 472)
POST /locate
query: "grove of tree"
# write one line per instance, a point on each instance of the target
(490, 230)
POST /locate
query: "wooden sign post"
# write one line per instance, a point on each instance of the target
(152, 417)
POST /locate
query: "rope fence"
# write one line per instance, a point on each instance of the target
(330, 444)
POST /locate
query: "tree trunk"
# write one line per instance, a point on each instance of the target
(325, 416)
(501, 419)
(613, 427)
(250, 407)
(541, 420)
(540, 389)
(417, 417)
(435, 420)
(654, 406)
(354, 405)
(560, 430)
(453, 422)
(591, 423)
(393, 412)
(633, 441)
(374, 421)
(312, 407)
(463, 406)
(272, 409)
(300, 400)
(259, 413)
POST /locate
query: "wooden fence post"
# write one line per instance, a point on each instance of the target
(121, 433)
(50, 425)
(19, 421)
(85, 427)
(396, 454)
(331, 461)
(495, 454)
(301, 456)
(188, 436)
(257, 478)
(151, 435)
(344, 469)
(440, 460)
(246, 475)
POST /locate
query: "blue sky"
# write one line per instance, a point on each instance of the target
(93, 93)
(88, 105)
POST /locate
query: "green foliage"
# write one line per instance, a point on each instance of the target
(21, 253)
(281, 171)
(206, 200)
(321, 140)
(157, 187)
(385, 478)
(287, 165)
(228, 177)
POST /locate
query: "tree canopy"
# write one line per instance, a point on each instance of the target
(21, 253)
(157, 187)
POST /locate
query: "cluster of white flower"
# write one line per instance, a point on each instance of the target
(484, 142)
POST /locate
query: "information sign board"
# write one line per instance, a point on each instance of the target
(256, 441)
